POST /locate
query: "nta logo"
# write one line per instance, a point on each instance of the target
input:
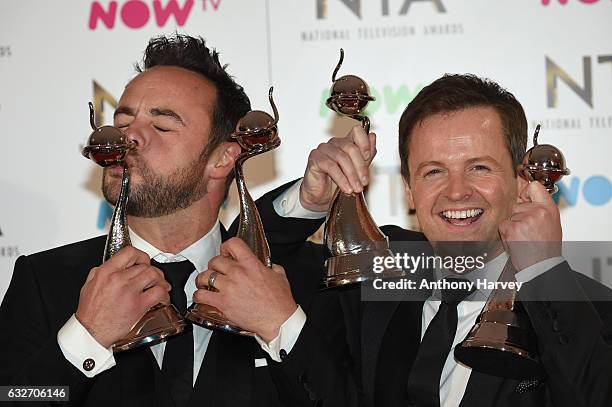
(137, 13)
(355, 7)
(584, 92)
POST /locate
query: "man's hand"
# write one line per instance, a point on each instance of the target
(533, 232)
(341, 161)
(249, 294)
(118, 293)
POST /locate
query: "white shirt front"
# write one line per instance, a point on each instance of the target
(77, 344)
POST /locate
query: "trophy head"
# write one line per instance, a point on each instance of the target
(544, 163)
(349, 94)
(107, 145)
(257, 130)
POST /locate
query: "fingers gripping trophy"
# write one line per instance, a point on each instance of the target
(351, 236)
(257, 133)
(108, 146)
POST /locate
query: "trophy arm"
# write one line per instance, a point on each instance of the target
(92, 120)
(118, 234)
(365, 121)
(250, 227)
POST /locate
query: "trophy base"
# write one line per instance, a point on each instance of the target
(356, 268)
(159, 323)
(500, 350)
(211, 318)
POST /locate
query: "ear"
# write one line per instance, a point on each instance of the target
(222, 159)
(408, 193)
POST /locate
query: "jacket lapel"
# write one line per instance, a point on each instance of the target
(225, 376)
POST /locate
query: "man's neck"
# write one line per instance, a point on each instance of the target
(175, 232)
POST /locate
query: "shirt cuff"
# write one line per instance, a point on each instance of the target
(288, 205)
(82, 350)
(533, 271)
(287, 336)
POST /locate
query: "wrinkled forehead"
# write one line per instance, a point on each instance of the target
(171, 85)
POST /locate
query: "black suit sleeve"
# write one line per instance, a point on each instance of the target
(286, 235)
(29, 351)
(319, 370)
(574, 337)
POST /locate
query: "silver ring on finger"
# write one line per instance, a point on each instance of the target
(211, 280)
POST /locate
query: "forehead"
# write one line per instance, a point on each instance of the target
(458, 135)
(170, 86)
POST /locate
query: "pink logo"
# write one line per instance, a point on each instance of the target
(564, 2)
(137, 13)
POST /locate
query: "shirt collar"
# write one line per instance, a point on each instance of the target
(490, 272)
(199, 253)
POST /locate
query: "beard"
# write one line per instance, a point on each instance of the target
(159, 195)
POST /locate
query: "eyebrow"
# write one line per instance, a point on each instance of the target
(438, 163)
(470, 161)
(169, 113)
(123, 110)
(154, 112)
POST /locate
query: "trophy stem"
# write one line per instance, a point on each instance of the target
(250, 227)
(118, 234)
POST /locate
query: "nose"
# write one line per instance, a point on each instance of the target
(458, 187)
(136, 133)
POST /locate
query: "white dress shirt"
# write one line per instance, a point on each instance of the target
(455, 376)
(77, 344)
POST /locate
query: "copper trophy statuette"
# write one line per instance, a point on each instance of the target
(503, 342)
(257, 133)
(351, 236)
(108, 146)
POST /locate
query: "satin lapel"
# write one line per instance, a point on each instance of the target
(139, 374)
(376, 317)
(204, 391)
(226, 374)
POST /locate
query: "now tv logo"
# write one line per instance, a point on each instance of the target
(564, 2)
(137, 13)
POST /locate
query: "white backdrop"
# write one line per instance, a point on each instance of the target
(554, 55)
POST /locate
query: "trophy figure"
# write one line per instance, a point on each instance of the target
(107, 146)
(351, 236)
(256, 133)
(503, 342)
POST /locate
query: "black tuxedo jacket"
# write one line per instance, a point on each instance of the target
(354, 353)
(44, 293)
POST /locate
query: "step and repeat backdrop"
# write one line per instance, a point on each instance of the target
(554, 55)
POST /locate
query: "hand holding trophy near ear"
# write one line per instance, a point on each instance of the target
(257, 133)
(108, 146)
(503, 342)
(351, 235)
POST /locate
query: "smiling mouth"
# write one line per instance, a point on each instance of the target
(462, 217)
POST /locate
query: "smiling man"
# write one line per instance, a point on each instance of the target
(460, 141)
(63, 309)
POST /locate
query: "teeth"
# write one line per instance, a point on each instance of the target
(469, 213)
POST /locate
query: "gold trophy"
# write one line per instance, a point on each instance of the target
(107, 146)
(503, 342)
(257, 133)
(351, 235)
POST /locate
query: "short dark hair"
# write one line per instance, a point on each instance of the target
(191, 53)
(452, 93)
